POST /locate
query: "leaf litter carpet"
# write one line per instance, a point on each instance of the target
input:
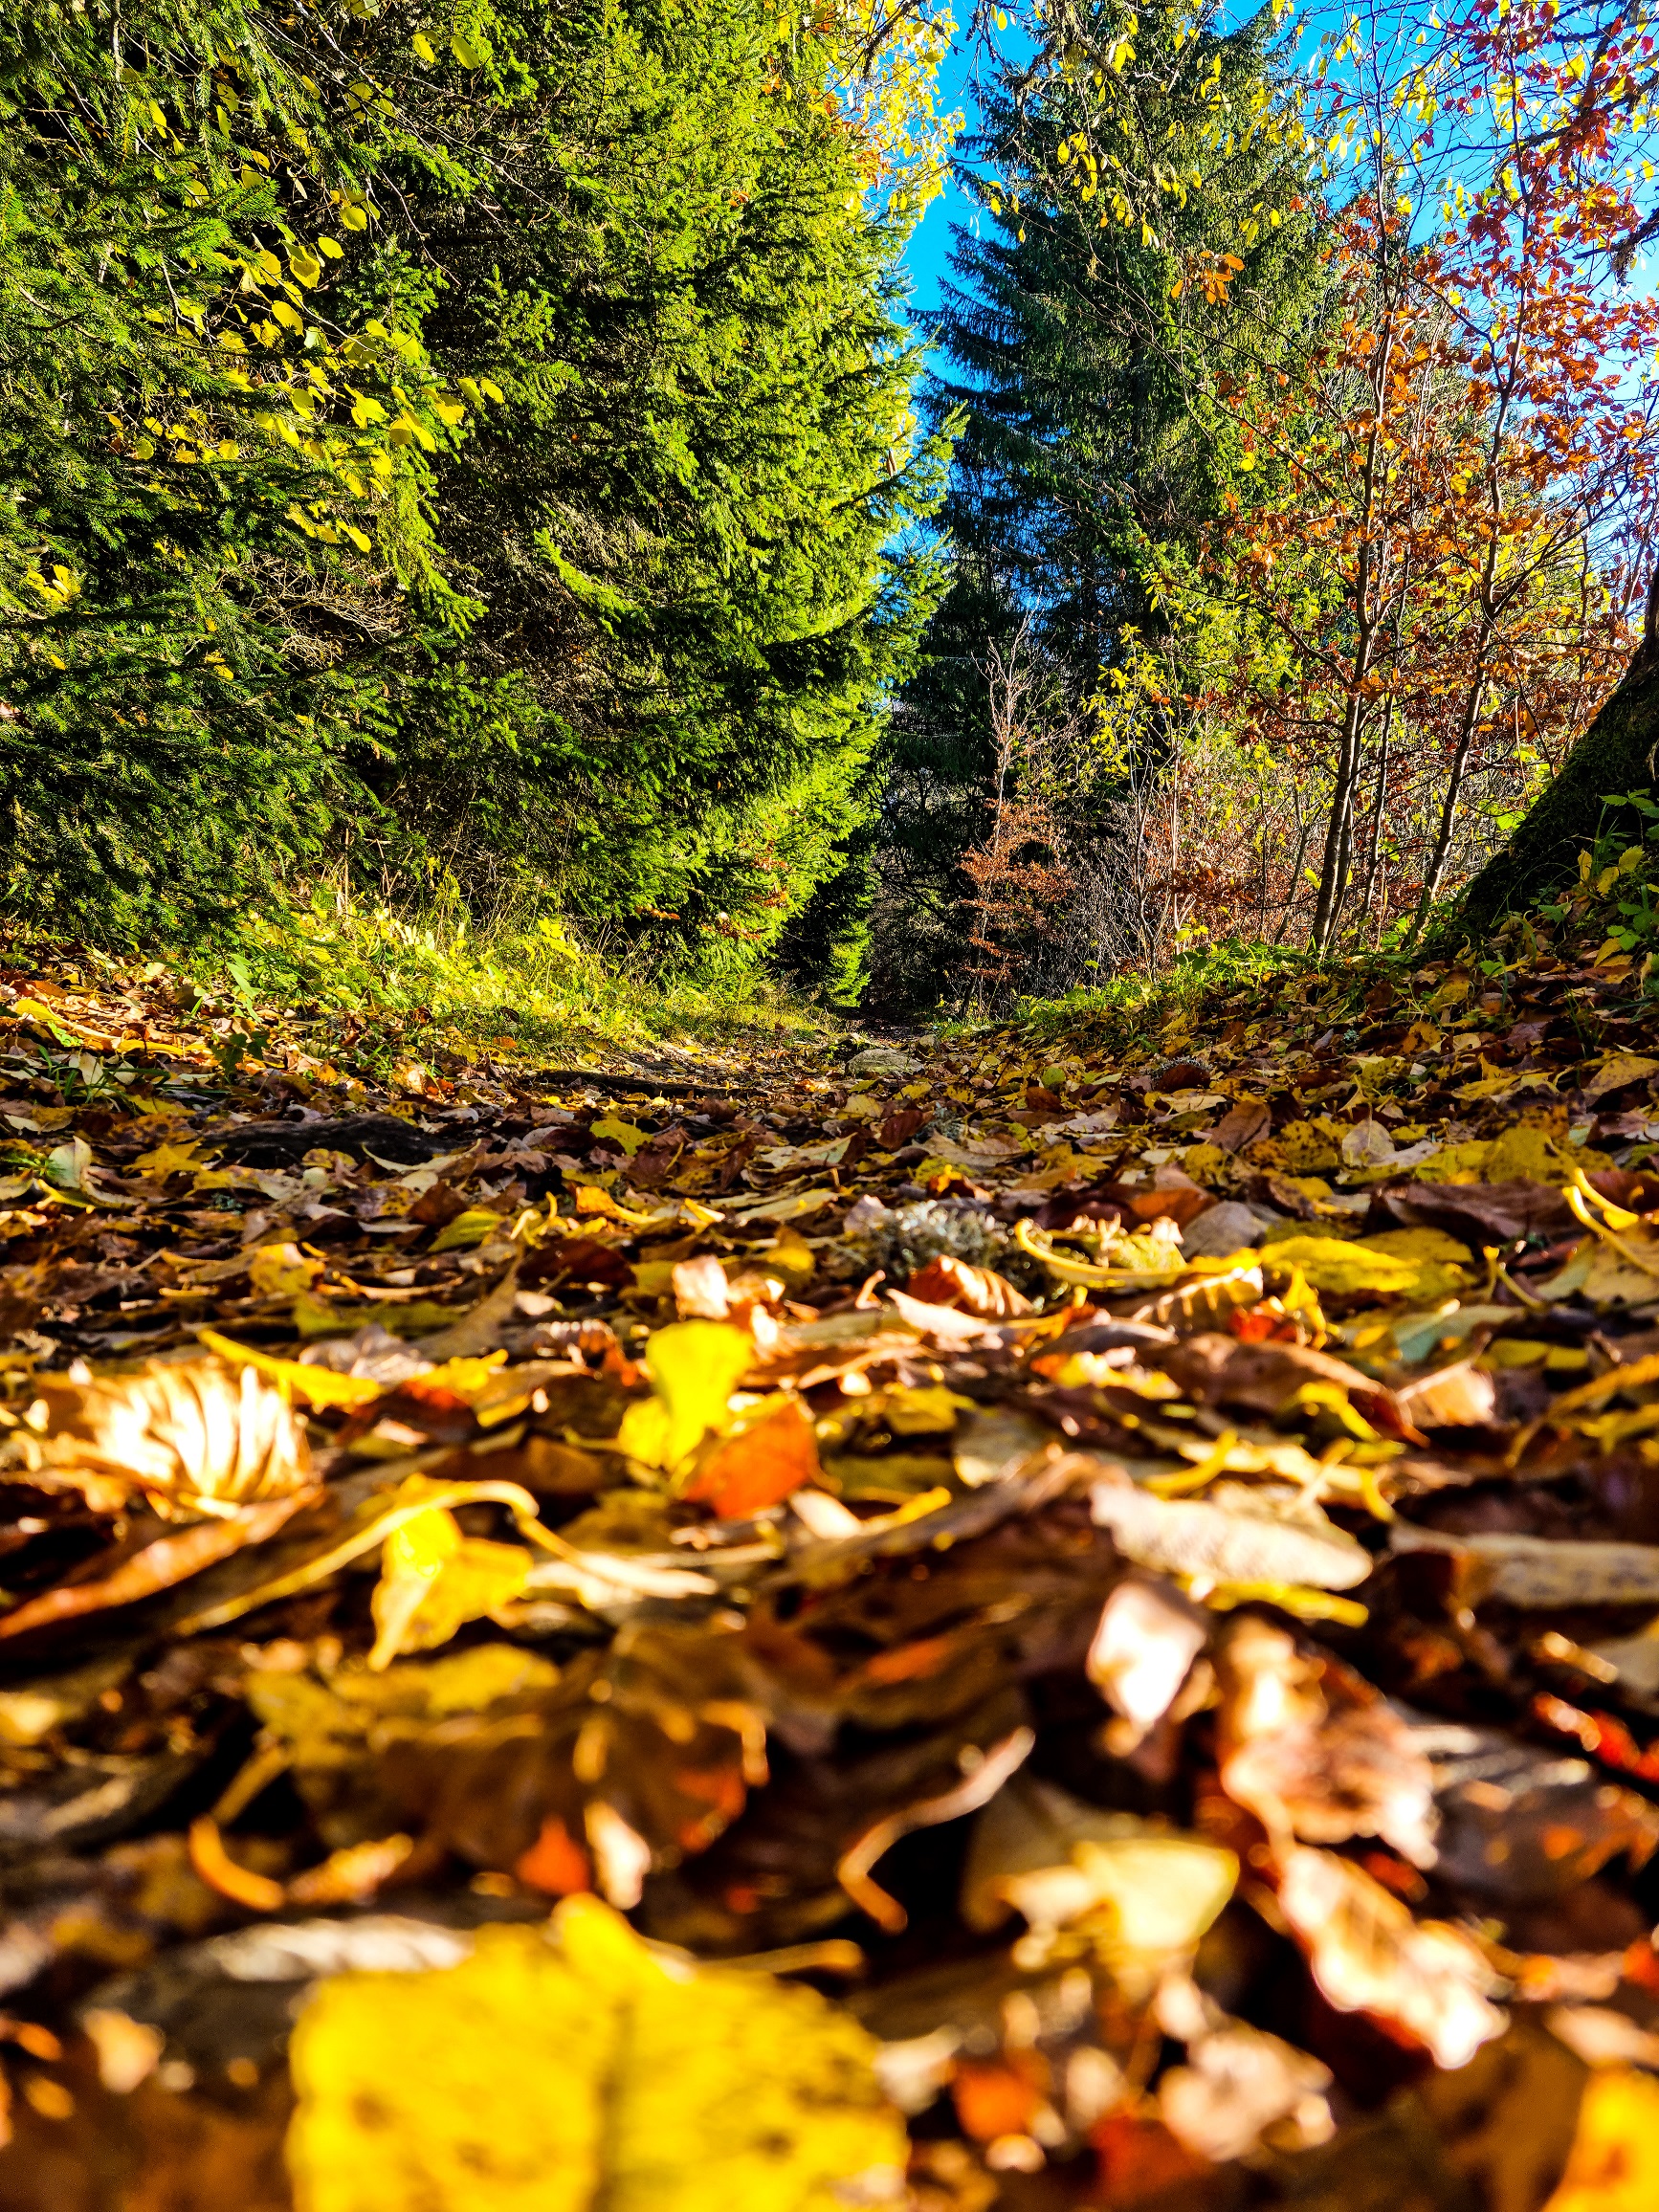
(1045, 1621)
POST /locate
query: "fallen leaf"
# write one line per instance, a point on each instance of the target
(1141, 1897)
(468, 1230)
(281, 1270)
(1253, 1537)
(1312, 1762)
(1368, 1955)
(1613, 2165)
(1614, 1072)
(433, 1580)
(158, 1566)
(192, 1437)
(1143, 1647)
(1546, 1572)
(678, 2087)
(1237, 2080)
(947, 1281)
(1327, 1264)
(693, 1367)
(763, 1465)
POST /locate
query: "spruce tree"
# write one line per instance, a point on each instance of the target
(1143, 233)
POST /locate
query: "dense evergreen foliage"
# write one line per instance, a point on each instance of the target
(461, 449)
(1143, 234)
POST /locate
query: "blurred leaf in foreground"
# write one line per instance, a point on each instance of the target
(560, 2071)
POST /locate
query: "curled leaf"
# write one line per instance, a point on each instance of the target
(192, 1437)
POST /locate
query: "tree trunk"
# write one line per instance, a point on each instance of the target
(1615, 755)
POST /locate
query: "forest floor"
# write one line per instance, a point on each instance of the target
(1087, 1589)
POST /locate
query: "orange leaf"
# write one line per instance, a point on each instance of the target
(992, 2101)
(555, 1864)
(1141, 2159)
(762, 1466)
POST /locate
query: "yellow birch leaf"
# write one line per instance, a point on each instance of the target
(1330, 1264)
(466, 1229)
(1614, 2162)
(566, 2069)
(622, 1134)
(281, 1272)
(693, 1367)
(316, 1386)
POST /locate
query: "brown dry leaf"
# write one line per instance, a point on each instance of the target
(1460, 1396)
(1136, 1895)
(700, 1290)
(1322, 1767)
(1242, 1125)
(1143, 1647)
(1614, 1072)
(1237, 2081)
(948, 1281)
(158, 1566)
(1545, 1571)
(1368, 1955)
(1236, 1536)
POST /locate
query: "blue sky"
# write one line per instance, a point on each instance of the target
(924, 256)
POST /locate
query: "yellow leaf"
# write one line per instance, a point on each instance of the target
(1614, 2162)
(433, 1580)
(1624, 1271)
(791, 1257)
(316, 1386)
(623, 1133)
(1432, 1244)
(326, 1724)
(281, 1272)
(375, 1520)
(423, 48)
(466, 1379)
(168, 1158)
(466, 1229)
(1616, 1072)
(693, 1367)
(677, 2088)
(1332, 1264)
